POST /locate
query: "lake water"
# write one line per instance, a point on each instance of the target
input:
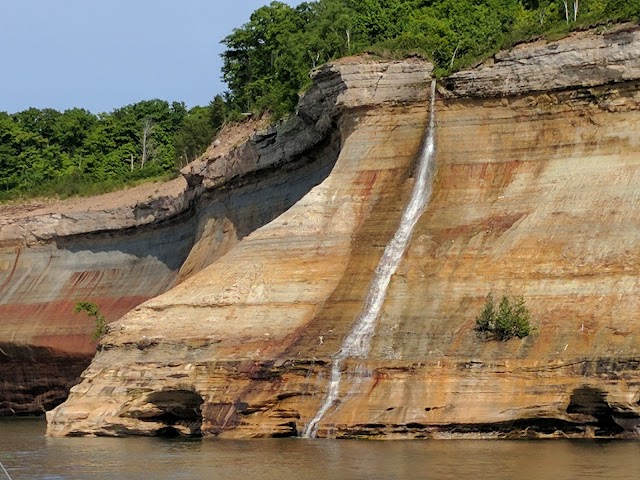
(28, 454)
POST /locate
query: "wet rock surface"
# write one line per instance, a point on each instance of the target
(36, 379)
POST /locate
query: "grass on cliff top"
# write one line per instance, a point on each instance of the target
(79, 186)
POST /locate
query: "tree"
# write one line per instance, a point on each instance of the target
(330, 31)
(486, 319)
(92, 310)
(72, 128)
(195, 134)
(9, 150)
(39, 122)
(512, 319)
(571, 10)
(48, 152)
(266, 62)
(145, 139)
(217, 113)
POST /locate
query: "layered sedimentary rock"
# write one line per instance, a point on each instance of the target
(49, 263)
(247, 307)
(536, 194)
(35, 379)
(119, 252)
(607, 55)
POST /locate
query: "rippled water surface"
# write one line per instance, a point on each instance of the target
(28, 454)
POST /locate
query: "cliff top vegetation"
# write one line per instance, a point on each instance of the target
(266, 65)
(44, 152)
(268, 59)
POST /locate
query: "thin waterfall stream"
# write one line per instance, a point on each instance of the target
(5, 471)
(358, 343)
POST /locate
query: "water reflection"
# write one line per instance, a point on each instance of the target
(27, 454)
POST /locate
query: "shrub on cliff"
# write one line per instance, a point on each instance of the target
(92, 310)
(511, 319)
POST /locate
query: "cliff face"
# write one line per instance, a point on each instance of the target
(47, 264)
(124, 248)
(535, 195)
(246, 309)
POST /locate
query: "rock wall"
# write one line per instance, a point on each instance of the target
(42, 280)
(123, 251)
(535, 195)
(585, 59)
(248, 306)
(35, 379)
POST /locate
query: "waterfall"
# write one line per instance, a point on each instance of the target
(358, 342)
(5, 471)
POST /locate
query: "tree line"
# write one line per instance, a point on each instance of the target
(267, 60)
(45, 151)
(266, 64)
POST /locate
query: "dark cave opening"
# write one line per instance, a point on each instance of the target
(179, 410)
(592, 402)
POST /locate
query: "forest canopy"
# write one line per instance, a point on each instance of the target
(47, 152)
(266, 64)
(267, 60)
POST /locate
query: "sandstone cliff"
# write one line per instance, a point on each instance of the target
(124, 248)
(538, 159)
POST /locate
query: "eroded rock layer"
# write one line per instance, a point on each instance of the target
(121, 253)
(278, 277)
(41, 283)
(36, 379)
(536, 194)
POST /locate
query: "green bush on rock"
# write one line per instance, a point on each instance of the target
(510, 319)
(92, 310)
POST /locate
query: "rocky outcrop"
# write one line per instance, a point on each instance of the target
(50, 262)
(246, 307)
(274, 154)
(585, 59)
(123, 249)
(535, 195)
(35, 379)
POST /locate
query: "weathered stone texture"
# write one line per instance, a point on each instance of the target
(121, 253)
(584, 59)
(248, 306)
(536, 195)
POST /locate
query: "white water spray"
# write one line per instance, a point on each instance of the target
(358, 342)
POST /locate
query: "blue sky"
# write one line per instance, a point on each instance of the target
(103, 54)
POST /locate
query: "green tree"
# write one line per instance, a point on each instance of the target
(10, 170)
(72, 128)
(511, 319)
(485, 321)
(45, 151)
(194, 135)
(217, 112)
(376, 20)
(39, 122)
(265, 64)
(92, 310)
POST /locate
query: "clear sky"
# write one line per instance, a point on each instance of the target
(104, 54)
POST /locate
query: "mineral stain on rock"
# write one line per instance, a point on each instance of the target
(535, 194)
